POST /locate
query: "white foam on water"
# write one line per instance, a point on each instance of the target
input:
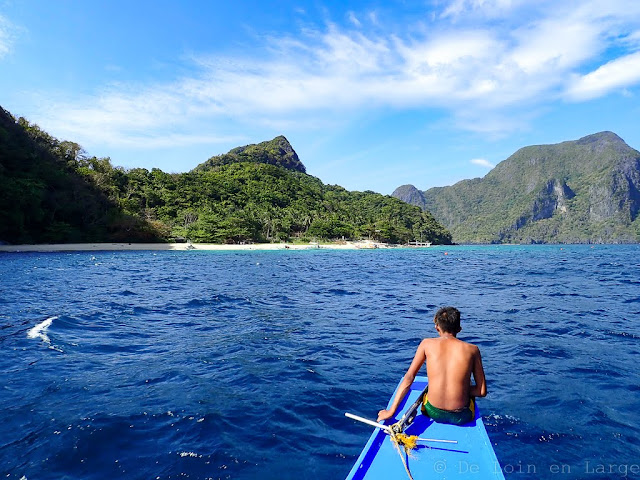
(40, 330)
(190, 454)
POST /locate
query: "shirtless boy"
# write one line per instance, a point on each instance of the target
(450, 363)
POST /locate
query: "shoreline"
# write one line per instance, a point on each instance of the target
(118, 247)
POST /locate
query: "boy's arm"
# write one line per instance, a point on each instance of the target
(405, 385)
(480, 388)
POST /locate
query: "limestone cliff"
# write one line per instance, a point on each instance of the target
(575, 192)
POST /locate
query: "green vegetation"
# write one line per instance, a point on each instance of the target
(584, 191)
(52, 191)
(261, 202)
(274, 152)
(44, 198)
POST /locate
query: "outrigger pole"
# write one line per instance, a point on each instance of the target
(389, 430)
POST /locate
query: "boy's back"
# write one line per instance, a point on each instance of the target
(450, 363)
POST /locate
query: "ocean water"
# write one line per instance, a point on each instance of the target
(240, 365)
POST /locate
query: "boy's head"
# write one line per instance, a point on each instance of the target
(448, 320)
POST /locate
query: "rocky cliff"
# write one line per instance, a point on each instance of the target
(575, 192)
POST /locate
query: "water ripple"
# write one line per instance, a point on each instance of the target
(241, 364)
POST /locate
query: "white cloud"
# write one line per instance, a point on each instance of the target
(488, 76)
(453, 49)
(489, 7)
(151, 118)
(632, 40)
(482, 162)
(556, 44)
(614, 75)
(353, 19)
(6, 40)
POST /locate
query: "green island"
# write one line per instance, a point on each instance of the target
(52, 191)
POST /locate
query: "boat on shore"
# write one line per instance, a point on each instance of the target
(465, 453)
(419, 244)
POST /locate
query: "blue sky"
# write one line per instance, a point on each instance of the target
(371, 94)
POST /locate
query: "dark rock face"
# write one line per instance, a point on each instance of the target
(582, 191)
(629, 172)
(552, 199)
(617, 194)
(277, 152)
(410, 194)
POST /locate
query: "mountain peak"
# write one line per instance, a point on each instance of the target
(599, 142)
(410, 194)
(600, 138)
(277, 152)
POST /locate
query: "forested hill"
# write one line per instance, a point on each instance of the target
(51, 191)
(47, 195)
(583, 191)
(274, 152)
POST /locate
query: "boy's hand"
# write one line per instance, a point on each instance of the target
(384, 415)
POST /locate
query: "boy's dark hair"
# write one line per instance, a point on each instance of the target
(448, 319)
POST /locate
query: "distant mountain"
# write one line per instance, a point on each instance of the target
(277, 152)
(584, 191)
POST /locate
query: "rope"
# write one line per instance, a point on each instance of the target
(407, 442)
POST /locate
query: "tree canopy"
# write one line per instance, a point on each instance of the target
(52, 191)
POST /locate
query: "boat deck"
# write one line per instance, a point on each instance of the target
(471, 457)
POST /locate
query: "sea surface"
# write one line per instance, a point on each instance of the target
(241, 365)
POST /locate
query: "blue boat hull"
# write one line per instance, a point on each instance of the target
(471, 457)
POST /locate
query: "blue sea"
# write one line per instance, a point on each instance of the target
(241, 365)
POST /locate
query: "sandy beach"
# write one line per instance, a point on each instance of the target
(97, 247)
